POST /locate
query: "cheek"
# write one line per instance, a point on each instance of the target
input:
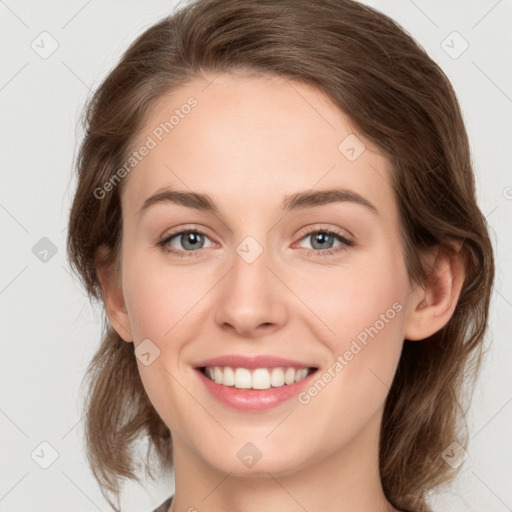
(157, 304)
(163, 306)
(366, 294)
(361, 311)
(159, 300)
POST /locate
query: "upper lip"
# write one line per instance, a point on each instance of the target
(262, 361)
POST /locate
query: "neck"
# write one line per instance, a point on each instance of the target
(344, 480)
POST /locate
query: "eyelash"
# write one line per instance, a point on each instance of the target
(345, 243)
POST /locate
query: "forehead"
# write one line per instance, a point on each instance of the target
(249, 140)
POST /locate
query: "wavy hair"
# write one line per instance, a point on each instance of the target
(398, 98)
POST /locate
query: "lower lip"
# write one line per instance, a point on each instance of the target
(254, 399)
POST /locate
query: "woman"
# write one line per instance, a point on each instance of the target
(231, 142)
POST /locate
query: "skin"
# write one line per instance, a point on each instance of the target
(251, 141)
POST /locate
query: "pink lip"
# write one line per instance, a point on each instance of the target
(236, 361)
(252, 399)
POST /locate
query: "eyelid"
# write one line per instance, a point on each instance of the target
(308, 230)
(184, 229)
(164, 239)
(345, 242)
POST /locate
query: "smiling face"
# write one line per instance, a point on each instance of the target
(268, 264)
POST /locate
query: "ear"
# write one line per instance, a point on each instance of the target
(113, 299)
(433, 302)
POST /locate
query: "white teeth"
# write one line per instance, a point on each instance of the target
(289, 376)
(242, 378)
(259, 378)
(277, 377)
(228, 377)
(301, 374)
(218, 375)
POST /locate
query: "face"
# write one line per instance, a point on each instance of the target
(263, 286)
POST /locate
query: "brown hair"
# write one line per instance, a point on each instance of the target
(398, 99)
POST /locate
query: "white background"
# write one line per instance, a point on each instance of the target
(48, 329)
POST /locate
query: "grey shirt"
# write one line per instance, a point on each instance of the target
(164, 507)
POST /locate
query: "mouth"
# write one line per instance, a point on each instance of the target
(255, 378)
(254, 383)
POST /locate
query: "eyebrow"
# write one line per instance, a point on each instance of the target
(297, 201)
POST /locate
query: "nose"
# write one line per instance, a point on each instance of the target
(252, 299)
